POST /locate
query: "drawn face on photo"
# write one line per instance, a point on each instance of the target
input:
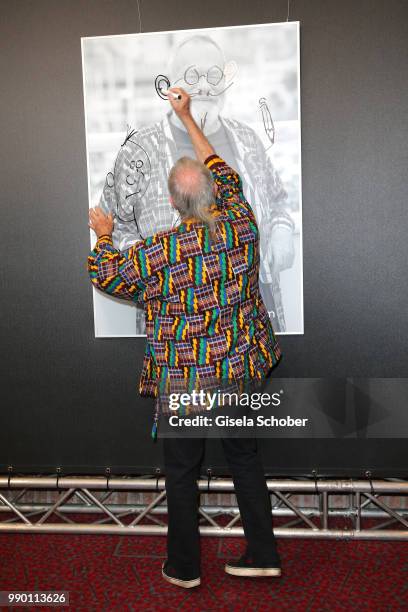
(198, 67)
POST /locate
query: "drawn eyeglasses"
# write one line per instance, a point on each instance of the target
(213, 75)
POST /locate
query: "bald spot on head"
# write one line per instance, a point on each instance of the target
(188, 179)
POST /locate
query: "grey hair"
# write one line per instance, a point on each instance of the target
(193, 202)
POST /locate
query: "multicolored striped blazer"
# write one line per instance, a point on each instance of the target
(205, 317)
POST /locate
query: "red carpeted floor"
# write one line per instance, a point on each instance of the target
(108, 572)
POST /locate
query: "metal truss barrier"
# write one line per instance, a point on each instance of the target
(79, 496)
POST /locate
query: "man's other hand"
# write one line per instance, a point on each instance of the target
(181, 107)
(100, 223)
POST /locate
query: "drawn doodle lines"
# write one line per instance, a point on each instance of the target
(130, 178)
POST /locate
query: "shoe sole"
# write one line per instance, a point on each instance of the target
(253, 572)
(186, 584)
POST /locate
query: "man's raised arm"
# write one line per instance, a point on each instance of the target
(202, 147)
(228, 180)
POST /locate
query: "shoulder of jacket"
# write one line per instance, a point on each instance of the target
(163, 234)
(242, 133)
(234, 124)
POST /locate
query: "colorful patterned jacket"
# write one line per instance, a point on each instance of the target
(204, 314)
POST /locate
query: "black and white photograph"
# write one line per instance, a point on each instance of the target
(245, 95)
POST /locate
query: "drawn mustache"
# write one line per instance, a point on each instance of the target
(209, 94)
(201, 98)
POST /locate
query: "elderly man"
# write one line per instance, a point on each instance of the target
(205, 317)
(136, 189)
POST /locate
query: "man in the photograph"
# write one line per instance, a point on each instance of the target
(136, 188)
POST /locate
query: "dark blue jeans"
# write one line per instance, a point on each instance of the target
(182, 459)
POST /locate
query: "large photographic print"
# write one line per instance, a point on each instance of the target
(245, 95)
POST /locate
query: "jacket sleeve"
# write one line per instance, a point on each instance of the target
(230, 189)
(276, 212)
(121, 274)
